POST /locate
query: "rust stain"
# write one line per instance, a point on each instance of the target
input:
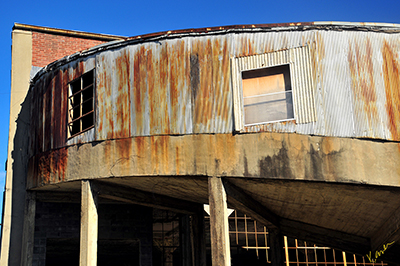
(362, 77)
(48, 111)
(123, 152)
(60, 111)
(122, 104)
(391, 74)
(49, 167)
(177, 160)
(139, 89)
(175, 75)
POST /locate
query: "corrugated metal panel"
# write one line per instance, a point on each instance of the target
(184, 86)
(303, 89)
(301, 79)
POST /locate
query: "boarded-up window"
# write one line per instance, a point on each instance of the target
(267, 95)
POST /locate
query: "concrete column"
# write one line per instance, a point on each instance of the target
(184, 222)
(15, 186)
(89, 225)
(28, 234)
(276, 245)
(219, 228)
(198, 237)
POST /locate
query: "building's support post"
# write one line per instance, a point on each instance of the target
(276, 245)
(89, 225)
(28, 233)
(198, 237)
(185, 239)
(15, 183)
(219, 228)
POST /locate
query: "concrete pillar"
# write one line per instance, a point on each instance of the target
(185, 240)
(15, 186)
(219, 228)
(198, 238)
(28, 234)
(89, 225)
(276, 247)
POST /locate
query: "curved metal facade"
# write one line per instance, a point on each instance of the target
(183, 85)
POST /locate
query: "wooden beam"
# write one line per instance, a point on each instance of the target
(219, 227)
(241, 201)
(389, 232)
(139, 197)
(89, 225)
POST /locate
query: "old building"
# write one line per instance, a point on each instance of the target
(115, 149)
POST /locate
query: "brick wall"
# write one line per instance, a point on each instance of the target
(47, 48)
(60, 223)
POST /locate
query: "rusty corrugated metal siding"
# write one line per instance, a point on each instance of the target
(183, 85)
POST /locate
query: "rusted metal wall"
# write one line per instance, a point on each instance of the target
(183, 85)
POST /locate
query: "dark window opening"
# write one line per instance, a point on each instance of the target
(81, 104)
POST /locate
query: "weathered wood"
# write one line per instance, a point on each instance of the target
(219, 228)
(243, 202)
(29, 228)
(276, 245)
(139, 197)
(198, 237)
(89, 225)
(389, 232)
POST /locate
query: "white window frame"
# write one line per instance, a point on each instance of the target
(299, 61)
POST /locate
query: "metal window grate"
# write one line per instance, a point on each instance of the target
(248, 235)
(81, 104)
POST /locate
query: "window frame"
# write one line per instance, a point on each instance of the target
(291, 91)
(300, 71)
(71, 106)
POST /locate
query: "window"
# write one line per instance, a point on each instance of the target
(81, 104)
(273, 87)
(267, 95)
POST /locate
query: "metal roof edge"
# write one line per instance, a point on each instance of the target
(72, 33)
(123, 41)
(356, 24)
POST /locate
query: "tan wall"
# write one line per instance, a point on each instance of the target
(15, 183)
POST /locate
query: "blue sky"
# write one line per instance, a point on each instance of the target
(130, 18)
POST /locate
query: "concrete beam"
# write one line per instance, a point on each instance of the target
(89, 225)
(243, 202)
(198, 237)
(219, 227)
(388, 233)
(276, 245)
(324, 236)
(139, 197)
